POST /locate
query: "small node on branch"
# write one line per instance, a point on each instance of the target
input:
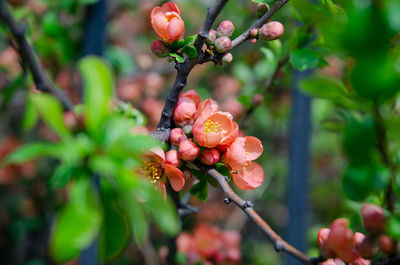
(226, 178)
(20, 30)
(247, 204)
(278, 246)
(227, 200)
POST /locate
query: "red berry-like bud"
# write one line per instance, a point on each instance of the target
(254, 33)
(171, 157)
(223, 44)
(188, 151)
(160, 48)
(226, 28)
(253, 40)
(386, 244)
(257, 99)
(374, 219)
(176, 136)
(212, 36)
(261, 10)
(209, 157)
(271, 31)
(227, 58)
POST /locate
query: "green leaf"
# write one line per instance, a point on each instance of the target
(303, 59)
(28, 152)
(61, 176)
(31, 115)
(115, 234)
(190, 51)
(138, 220)
(133, 145)
(393, 227)
(163, 212)
(200, 189)
(51, 112)
(189, 40)
(177, 57)
(78, 224)
(98, 86)
(176, 45)
(358, 182)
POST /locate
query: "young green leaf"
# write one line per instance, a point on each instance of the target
(29, 152)
(200, 190)
(51, 112)
(177, 57)
(303, 59)
(190, 51)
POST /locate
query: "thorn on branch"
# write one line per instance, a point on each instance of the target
(247, 204)
(227, 200)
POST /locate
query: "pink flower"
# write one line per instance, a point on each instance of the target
(167, 23)
(186, 108)
(242, 151)
(176, 136)
(209, 157)
(171, 157)
(213, 127)
(188, 151)
(157, 170)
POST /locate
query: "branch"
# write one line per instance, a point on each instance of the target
(245, 118)
(246, 35)
(247, 207)
(27, 54)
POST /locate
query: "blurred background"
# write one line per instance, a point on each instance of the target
(60, 32)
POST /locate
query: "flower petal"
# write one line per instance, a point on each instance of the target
(253, 147)
(159, 22)
(206, 109)
(235, 155)
(209, 140)
(250, 177)
(176, 28)
(158, 154)
(229, 138)
(170, 7)
(193, 95)
(175, 177)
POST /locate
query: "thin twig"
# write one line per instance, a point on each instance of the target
(28, 56)
(246, 35)
(246, 206)
(246, 116)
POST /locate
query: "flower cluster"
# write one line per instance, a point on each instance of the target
(215, 139)
(210, 245)
(339, 245)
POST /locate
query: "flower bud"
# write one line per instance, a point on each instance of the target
(261, 10)
(253, 40)
(209, 157)
(374, 219)
(386, 244)
(271, 31)
(226, 28)
(160, 48)
(227, 58)
(223, 44)
(212, 35)
(257, 99)
(171, 157)
(185, 111)
(254, 32)
(176, 136)
(188, 151)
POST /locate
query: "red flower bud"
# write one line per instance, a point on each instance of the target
(212, 35)
(160, 48)
(261, 10)
(171, 157)
(271, 31)
(223, 44)
(227, 58)
(254, 32)
(176, 136)
(386, 244)
(257, 99)
(253, 40)
(226, 28)
(209, 157)
(188, 151)
(374, 219)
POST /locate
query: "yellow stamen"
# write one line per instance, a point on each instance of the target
(212, 126)
(153, 171)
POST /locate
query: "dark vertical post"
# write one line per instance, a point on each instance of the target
(299, 161)
(94, 43)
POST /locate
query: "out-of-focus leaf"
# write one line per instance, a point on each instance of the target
(303, 59)
(51, 112)
(121, 60)
(30, 117)
(393, 227)
(135, 116)
(87, 2)
(98, 85)
(62, 174)
(223, 169)
(133, 145)
(29, 152)
(163, 212)
(200, 190)
(78, 223)
(358, 182)
(115, 233)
